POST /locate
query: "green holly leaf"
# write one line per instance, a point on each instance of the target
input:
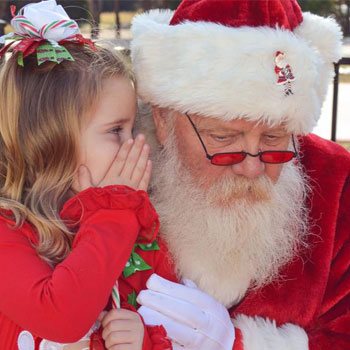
(129, 269)
(150, 246)
(132, 299)
(135, 263)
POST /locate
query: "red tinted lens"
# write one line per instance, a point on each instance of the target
(227, 158)
(276, 157)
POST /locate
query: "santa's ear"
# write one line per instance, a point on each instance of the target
(159, 115)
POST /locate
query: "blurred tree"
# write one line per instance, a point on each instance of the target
(340, 9)
(320, 7)
(76, 9)
(146, 5)
(343, 15)
(124, 5)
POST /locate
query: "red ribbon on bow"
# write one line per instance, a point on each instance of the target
(13, 10)
(27, 46)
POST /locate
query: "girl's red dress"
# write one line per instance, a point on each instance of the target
(62, 303)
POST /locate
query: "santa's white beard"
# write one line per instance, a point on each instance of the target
(221, 239)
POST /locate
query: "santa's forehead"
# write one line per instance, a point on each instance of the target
(239, 124)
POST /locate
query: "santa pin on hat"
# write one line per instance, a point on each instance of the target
(261, 60)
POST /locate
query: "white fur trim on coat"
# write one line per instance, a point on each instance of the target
(262, 334)
(228, 73)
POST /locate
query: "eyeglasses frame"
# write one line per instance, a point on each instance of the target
(210, 157)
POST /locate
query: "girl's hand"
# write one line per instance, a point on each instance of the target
(81, 345)
(131, 167)
(122, 330)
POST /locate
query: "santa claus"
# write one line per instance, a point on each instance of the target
(254, 210)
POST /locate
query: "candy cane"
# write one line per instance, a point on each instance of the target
(115, 296)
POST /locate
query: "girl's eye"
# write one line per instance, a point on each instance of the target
(117, 130)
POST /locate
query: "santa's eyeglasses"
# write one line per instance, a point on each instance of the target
(231, 158)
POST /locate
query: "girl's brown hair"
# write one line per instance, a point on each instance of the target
(41, 111)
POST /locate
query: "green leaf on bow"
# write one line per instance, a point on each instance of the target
(150, 246)
(46, 52)
(20, 61)
(52, 53)
(135, 263)
(63, 54)
(132, 299)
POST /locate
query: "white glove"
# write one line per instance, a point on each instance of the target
(192, 319)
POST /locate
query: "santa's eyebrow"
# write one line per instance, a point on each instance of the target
(220, 131)
(279, 131)
(203, 126)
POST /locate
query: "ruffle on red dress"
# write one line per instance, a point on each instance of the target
(158, 338)
(79, 208)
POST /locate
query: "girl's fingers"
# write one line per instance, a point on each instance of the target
(118, 322)
(73, 346)
(123, 347)
(133, 157)
(102, 315)
(119, 326)
(117, 164)
(119, 314)
(141, 165)
(84, 178)
(121, 158)
(144, 182)
(119, 337)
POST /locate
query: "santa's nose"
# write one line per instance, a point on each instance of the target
(250, 167)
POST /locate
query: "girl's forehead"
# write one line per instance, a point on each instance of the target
(116, 103)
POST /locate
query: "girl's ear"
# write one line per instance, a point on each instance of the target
(159, 115)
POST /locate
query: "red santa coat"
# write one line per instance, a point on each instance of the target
(310, 307)
(61, 304)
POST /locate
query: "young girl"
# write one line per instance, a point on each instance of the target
(74, 217)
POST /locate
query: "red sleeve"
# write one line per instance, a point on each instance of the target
(61, 304)
(332, 329)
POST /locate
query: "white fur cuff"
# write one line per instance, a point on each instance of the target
(263, 334)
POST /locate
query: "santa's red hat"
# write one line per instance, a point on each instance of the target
(222, 58)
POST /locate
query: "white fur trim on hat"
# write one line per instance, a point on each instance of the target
(229, 73)
(259, 334)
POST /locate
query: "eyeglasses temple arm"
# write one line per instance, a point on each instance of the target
(295, 148)
(199, 136)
